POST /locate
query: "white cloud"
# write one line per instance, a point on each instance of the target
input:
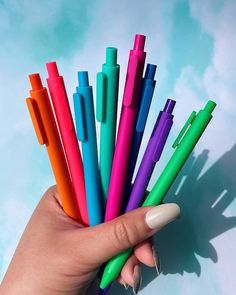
(218, 80)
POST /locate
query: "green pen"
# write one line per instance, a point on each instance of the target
(106, 113)
(184, 144)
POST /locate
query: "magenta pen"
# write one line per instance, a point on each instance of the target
(126, 128)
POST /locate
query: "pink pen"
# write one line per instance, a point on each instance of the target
(67, 130)
(126, 128)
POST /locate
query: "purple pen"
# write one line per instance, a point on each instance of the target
(152, 154)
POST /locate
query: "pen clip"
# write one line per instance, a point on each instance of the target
(144, 108)
(130, 81)
(184, 129)
(63, 107)
(161, 138)
(101, 96)
(37, 120)
(79, 116)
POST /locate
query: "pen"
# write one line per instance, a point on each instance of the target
(184, 144)
(106, 113)
(126, 128)
(86, 132)
(47, 133)
(152, 154)
(67, 130)
(148, 85)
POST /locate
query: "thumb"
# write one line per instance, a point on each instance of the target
(108, 239)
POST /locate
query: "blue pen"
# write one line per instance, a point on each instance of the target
(148, 86)
(86, 133)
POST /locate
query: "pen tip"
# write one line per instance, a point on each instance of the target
(52, 69)
(35, 81)
(169, 106)
(83, 79)
(139, 42)
(150, 71)
(111, 56)
(209, 107)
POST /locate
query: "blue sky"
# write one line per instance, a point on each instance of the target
(192, 42)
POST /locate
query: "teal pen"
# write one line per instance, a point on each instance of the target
(86, 133)
(184, 144)
(106, 113)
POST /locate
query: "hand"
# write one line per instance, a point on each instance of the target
(58, 256)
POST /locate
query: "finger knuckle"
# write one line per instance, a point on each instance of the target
(123, 237)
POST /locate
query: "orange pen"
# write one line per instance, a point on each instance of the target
(46, 130)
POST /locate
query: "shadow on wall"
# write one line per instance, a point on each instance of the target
(203, 201)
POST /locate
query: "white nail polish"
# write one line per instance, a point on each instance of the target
(161, 215)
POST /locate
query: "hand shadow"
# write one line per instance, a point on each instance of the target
(202, 200)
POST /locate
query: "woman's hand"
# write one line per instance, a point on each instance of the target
(58, 256)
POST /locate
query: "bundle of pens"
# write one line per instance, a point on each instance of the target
(86, 187)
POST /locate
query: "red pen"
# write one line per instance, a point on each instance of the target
(67, 130)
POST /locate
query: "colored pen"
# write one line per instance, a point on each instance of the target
(106, 113)
(47, 133)
(152, 155)
(86, 132)
(67, 130)
(148, 86)
(184, 144)
(126, 128)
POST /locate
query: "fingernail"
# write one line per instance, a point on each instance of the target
(156, 261)
(161, 215)
(137, 276)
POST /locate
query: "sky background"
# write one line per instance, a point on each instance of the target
(194, 46)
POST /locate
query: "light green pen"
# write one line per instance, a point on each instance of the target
(184, 144)
(106, 113)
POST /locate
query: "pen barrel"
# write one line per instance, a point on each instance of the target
(56, 154)
(120, 164)
(90, 158)
(137, 139)
(70, 143)
(141, 182)
(143, 110)
(108, 126)
(178, 159)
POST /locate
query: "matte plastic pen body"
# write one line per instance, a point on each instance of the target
(86, 132)
(126, 128)
(152, 154)
(67, 130)
(146, 94)
(106, 113)
(46, 130)
(184, 144)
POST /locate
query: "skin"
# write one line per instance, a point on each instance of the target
(58, 256)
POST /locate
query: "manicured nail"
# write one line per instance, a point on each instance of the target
(156, 261)
(137, 276)
(161, 215)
